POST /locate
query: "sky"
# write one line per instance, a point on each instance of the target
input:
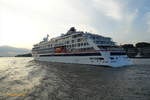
(25, 22)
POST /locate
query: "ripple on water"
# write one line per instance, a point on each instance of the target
(57, 81)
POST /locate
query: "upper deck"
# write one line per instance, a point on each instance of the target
(73, 41)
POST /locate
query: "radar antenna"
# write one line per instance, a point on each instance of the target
(46, 38)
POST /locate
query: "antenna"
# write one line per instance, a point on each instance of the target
(47, 35)
(46, 38)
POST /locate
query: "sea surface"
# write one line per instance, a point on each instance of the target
(26, 79)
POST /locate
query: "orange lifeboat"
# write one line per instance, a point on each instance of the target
(58, 50)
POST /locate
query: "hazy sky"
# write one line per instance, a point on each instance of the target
(25, 22)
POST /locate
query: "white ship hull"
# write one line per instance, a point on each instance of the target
(91, 60)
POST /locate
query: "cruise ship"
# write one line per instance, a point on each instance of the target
(78, 47)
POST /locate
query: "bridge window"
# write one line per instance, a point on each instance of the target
(78, 40)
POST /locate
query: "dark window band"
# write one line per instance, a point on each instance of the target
(81, 54)
(117, 53)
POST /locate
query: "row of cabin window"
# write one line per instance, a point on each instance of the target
(45, 51)
(78, 35)
(66, 42)
(36, 49)
(68, 46)
(73, 41)
(79, 50)
(77, 45)
(85, 49)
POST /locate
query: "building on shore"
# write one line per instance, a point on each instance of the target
(141, 49)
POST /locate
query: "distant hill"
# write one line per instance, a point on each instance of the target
(24, 55)
(12, 51)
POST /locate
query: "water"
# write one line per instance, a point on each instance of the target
(26, 79)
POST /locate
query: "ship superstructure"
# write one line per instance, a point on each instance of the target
(81, 48)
